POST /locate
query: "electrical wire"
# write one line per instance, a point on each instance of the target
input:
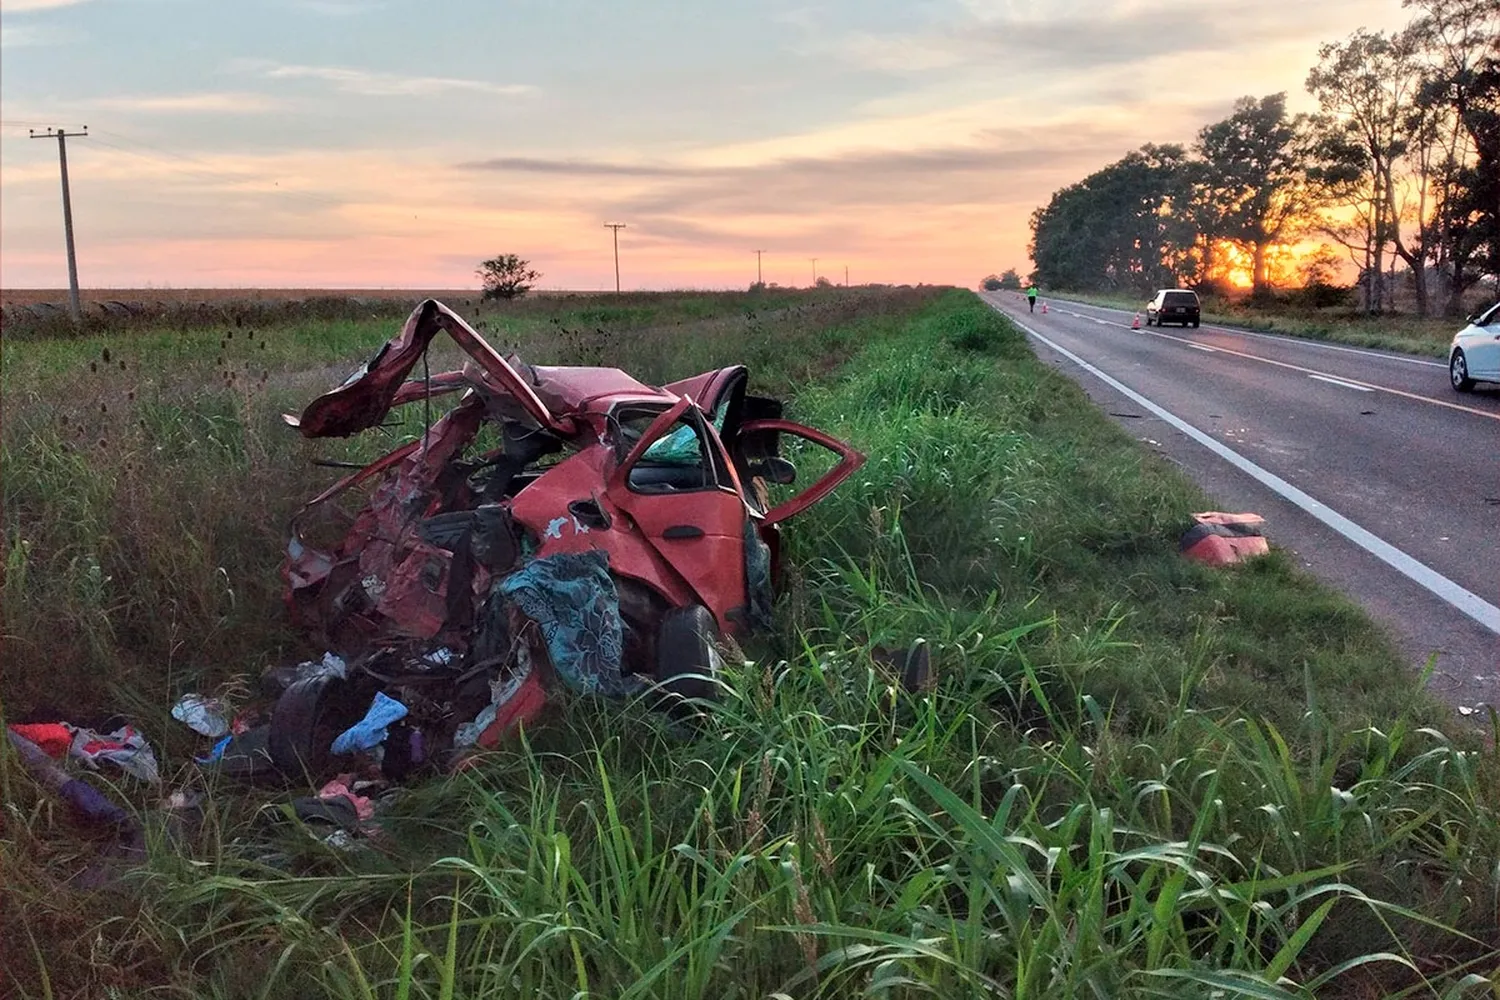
(214, 173)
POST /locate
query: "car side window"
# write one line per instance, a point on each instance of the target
(682, 459)
(1491, 319)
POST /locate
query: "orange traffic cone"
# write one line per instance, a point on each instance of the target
(1044, 308)
(1135, 324)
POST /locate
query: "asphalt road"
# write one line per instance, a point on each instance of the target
(1366, 465)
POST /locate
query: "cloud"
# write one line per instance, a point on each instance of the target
(850, 177)
(577, 168)
(216, 103)
(1079, 36)
(370, 84)
(912, 201)
(17, 36)
(337, 8)
(22, 6)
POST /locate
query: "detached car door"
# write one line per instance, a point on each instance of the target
(676, 484)
(770, 458)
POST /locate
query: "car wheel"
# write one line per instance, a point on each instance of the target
(1195, 324)
(687, 659)
(307, 718)
(1458, 372)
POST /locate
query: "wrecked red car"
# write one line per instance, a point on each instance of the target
(558, 523)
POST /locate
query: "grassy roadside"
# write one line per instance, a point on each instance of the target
(148, 480)
(1136, 776)
(1405, 334)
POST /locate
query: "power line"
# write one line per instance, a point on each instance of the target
(160, 150)
(62, 136)
(213, 171)
(210, 171)
(207, 171)
(24, 123)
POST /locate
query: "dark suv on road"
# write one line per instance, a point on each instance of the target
(1173, 305)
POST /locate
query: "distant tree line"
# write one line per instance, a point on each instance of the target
(1008, 279)
(1400, 163)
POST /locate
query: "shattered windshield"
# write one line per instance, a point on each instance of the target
(677, 447)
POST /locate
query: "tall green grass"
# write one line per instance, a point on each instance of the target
(148, 479)
(1134, 776)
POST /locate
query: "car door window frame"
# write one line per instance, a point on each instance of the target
(715, 462)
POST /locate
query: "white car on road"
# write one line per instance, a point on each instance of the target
(1475, 353)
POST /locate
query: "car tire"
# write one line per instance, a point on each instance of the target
(1458, 372)
(1195, 324)
(687, 659)
(306, 719)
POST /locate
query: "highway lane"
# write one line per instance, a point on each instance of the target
(1384, 370)
(1367, 437)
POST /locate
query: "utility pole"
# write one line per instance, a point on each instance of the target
(62, 137)
(815, 270)
(846, 275)
(616, 226)
(758, 280)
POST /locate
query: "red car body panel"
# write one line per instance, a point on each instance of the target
(675, 529)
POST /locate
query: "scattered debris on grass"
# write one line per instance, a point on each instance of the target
(1220, 539)
(557, 526)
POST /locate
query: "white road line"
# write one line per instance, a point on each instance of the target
(1423, 575)
(1338, 381)
(1286, 339)
(1306, 342)
(1309, 371)
(1202, 347)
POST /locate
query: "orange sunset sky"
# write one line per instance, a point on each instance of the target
(338, 143)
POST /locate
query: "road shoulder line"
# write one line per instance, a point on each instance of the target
(1418, 572)
(1286, 338)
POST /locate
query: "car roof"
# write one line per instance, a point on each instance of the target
(570, 389)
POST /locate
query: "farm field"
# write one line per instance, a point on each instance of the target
(1134, 776)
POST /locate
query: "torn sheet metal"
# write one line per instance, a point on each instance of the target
(557, 513)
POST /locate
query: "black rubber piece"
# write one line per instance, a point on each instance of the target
(337, 811)
(307, 718)
(687, 658)
(246, 757)
(916, 672)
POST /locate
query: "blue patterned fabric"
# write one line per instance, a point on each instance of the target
(757, 576)
(572, 599)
